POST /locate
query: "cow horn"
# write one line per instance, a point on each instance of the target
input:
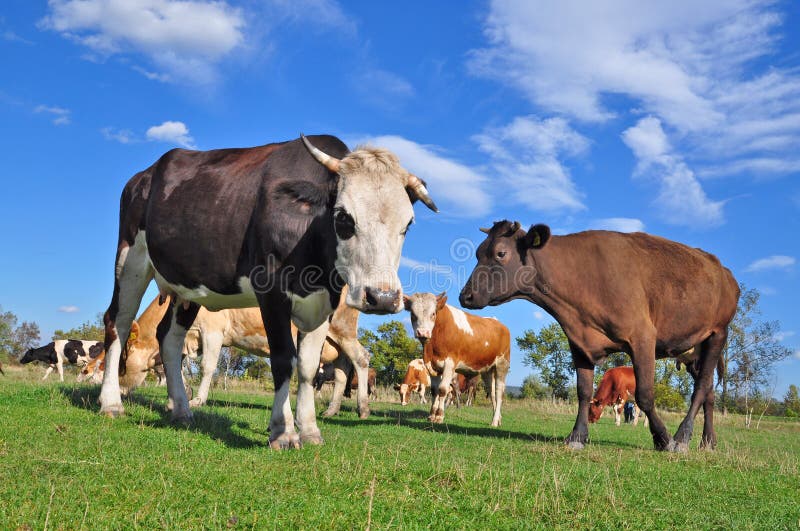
(415, 183)
(332, 163)
(514, 227)
(484, 230)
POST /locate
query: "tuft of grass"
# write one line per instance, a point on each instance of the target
(64, 466)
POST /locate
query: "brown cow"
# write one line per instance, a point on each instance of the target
(617, 387)
(454, 341)
(461, 385)
(611, 292)
(415, 381)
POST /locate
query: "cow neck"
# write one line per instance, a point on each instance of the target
(442, 328)
(151, 316)
(549, 279)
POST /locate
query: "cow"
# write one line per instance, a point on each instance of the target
(617, 386)
(282, 226)
(455, 341)
(244, 329)
(56, 353)
(461, 385)
(416, 380)
(93, 371)
(327, 375)
(636, 293)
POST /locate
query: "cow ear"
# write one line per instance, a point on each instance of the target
(538, 235)
(134, 332)
(441, 300)
(407, 302)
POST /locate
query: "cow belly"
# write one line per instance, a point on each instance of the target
(210, 299)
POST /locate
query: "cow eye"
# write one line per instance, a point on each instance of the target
(501, 254)
(405, 231)
(344, 225)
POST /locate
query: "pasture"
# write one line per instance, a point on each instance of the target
(64, 466)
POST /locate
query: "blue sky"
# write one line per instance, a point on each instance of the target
(677, 118)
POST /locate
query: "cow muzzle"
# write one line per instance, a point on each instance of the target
(382, 301)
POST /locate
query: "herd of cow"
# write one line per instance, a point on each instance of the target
(276, 249)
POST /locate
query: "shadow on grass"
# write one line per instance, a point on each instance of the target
(216, 426)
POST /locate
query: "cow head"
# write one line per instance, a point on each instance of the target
(423, 308)
(405, 393)
(138, 360)
(506, 269)
(595, 410)
(46, 354)
(371, 216)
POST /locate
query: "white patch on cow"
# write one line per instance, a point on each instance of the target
(210, 299)
(309, 312)
(486, 344)
(460, 319)
(417, 364)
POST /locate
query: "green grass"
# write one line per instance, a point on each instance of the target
(64, 466)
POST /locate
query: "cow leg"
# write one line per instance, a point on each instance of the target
(421, 390)
(440, 392)
(359, 357)
(60, 368)
(212, 345)
(341, 368)
(585, 378)
(644, 369)
(617, 414)
(171, 333)
(309, 350)
(50, 369)
(703, 394)
(500, 371)
(133, 273)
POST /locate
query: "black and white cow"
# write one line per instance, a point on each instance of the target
(56, 353)
(282, 226)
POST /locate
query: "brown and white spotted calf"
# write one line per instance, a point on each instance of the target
(416, 381)
(617, 387)
(455, 341)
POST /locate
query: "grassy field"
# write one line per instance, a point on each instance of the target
(64, 466)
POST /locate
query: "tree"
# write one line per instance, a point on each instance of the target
(548, 352)
(752, 350)
(391, 349)
(16, 339)
(791, 402)
(534, 387)
(92, 331)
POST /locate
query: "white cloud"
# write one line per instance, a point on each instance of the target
(171, 132)
(776, 261)
(460, 188)
(183, 38)
(681, 199)
(702, 68)
(525, 154)
(618, 224)
(60, 115)
(123, 136)
(797, 354)
(68, 309)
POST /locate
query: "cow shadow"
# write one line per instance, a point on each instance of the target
(235, 403)
(418, 420)
(214, 425)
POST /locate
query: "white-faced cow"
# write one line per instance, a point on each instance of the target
(282, 226)
(611, 292)
(56, 353)
(617, 386)
(455, 341)
(416, 381)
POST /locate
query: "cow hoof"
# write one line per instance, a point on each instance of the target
(182, 421)
(575, 445)
(196, 402)
(113, 412)
(312, 438)
(285, 442)
(330, 413)
(678, 447)
(363, 413)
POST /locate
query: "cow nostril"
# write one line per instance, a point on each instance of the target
(371, 299)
